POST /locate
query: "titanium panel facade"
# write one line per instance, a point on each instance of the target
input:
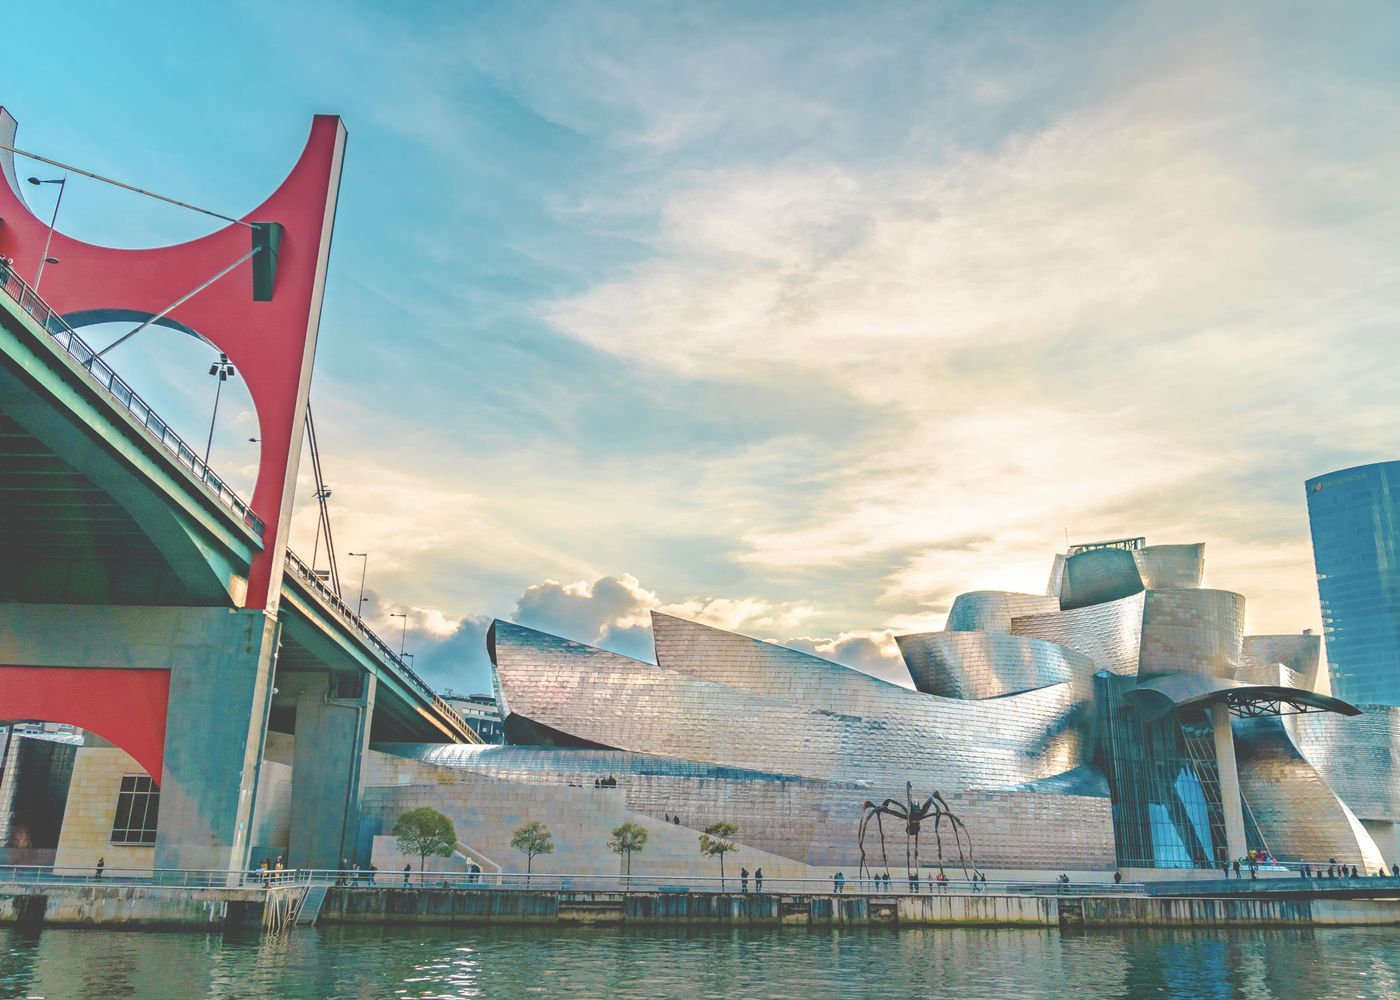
(1108, 634)
(1171, 567)
(993, 610)
(1191, 632)
(1359, 757)
(1098, 576)
(1355, 519)
(1020, 708)
(976, 665)
(1296, 811)
(1301, 654)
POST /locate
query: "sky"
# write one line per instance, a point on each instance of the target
(797, 319)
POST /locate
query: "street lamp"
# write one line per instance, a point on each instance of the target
(402, 638)
(224, 370)
(62, 183)
(360, 604)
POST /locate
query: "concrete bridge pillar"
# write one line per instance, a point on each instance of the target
(82, 663)
(333, 715)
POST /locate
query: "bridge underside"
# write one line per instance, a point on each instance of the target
(122, 584)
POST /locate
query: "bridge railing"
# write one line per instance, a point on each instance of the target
(342, 610)
(67, 338)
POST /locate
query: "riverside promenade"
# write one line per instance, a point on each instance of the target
(302, 899)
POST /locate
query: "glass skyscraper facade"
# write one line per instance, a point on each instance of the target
(1355, 519)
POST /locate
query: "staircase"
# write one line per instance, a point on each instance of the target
(311, 903)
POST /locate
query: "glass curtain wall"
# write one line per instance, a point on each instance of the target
(1164, 781)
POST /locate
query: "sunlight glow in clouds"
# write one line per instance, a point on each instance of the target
(800, 321)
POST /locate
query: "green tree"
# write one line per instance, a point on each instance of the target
(532, 839)
(628, 839)
(716, 842)
(425, 831)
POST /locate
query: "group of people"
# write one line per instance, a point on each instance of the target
(270, 870)
(353, 874)
(744, 880)
(608, 782)
(1335, 870)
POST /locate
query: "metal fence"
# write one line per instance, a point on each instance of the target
(549, 882)
(731, 883)
(180, 877)
(101, 372)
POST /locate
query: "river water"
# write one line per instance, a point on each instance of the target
(59, 964)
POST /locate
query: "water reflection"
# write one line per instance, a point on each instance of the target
(582, 964)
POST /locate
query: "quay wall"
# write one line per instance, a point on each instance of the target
(218, 908)
(130, 906)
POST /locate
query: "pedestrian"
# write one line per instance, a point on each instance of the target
(758, 880)
(1117, 878)
(840, 882)
(101, 864)
(743, 880)
(407, 871)
(676, 820)
(1353, 872)
(1225, 868)
(1237, 868)
(942, 881)
(372, 870)
(277, 869)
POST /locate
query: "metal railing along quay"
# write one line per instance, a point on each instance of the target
(192, 878)
(102, 374)
(731, 884)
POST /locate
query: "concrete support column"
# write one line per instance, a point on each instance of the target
(220, 664)
(332, 737)
(220, 685)
(1235, 845)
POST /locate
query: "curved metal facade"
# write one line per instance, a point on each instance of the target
(1020, 707)
(977, 665)
(1191, 632)
(1099, 576)
(1301, 654)
(994, 610)
(1171, 567)
(1108, 634)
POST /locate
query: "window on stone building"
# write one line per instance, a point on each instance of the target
(138, 809)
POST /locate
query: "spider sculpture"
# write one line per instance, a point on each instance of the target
(913, 814)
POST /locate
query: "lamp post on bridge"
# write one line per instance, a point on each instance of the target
(360, 604)
(403, 636)
(224, 370)
(62, 183)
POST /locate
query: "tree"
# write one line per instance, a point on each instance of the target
(716, 842)
(425, 831)
(532, 839)
(628, 839)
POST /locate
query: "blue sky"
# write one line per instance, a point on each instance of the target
(798, 319)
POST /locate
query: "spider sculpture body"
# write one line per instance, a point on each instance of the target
(913, 815)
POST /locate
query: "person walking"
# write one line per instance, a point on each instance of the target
(758, 880)
(1237, 868)
(101, 864)
(407, 871)
(839, 882)
(743, 880)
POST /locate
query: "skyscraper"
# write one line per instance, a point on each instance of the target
(1355, 518)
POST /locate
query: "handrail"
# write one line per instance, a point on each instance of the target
(101, 373)
(732, 883)
(332, 600)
